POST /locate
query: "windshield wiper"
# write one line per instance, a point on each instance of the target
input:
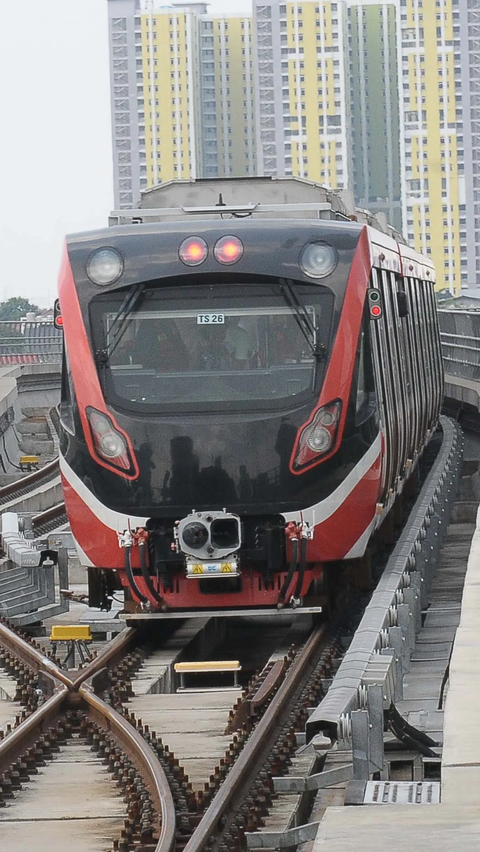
(119, 325)
(303, 320)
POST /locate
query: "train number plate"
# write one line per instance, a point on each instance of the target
(212, 569)
(210, 319)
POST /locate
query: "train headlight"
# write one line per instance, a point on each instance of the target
(318, 437)
(319, 440)
(318, 260)
(105, 266)
(109, 443)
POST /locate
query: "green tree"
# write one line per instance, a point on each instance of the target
(16, 307)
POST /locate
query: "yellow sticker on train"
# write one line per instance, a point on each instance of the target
(227, 568)
(197, 569)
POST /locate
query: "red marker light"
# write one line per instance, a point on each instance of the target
(57, 315)
(193, 251)
(228, 250)
(375, 311)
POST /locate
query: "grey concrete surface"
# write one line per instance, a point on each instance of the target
(72, 804)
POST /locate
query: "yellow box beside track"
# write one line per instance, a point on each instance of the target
(70, 633)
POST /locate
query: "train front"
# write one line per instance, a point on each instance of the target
(220, 439)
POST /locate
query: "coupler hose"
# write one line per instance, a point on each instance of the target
(303, 565)
(289, 577)
(130, 577)
(141, 538)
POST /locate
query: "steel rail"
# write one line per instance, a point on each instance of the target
(27, 733)
(30, 656)
(258, 745)
(252, 703)
(268, 687)
(56, 515)
(30, 482)
(109, 656)
(68, 691)
(143, 757)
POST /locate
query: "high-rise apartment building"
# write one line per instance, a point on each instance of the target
(182, 94)
(434, 190)
(169, 42)
(127, 101)
(375, 109)
(467, 55)
(362, 95)
(227, 96)
(302, 93)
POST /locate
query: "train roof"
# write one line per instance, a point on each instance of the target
(201, 224)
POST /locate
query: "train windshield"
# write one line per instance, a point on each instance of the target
(207, 346)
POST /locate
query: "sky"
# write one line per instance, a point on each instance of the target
(55, 137)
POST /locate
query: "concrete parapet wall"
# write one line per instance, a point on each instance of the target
(42, 498)
(461, 736)
(29, 428)
(28, 392)
(9, 449)
(36, 446)
(465, 390)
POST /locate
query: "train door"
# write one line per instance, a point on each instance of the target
(414, 341)
(394, 354)
(384, 381)
(423, 357)
(435, 350)
(412, 400)
(430, 364)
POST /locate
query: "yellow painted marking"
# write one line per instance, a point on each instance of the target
(28, 459)
(197, 569)
(227, 568)
(70, 633)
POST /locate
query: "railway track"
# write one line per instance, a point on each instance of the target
(254, 724)
(150, 804)
(265, 725)
(50, 519)
(11, 492)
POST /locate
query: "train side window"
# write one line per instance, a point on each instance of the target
(419, 359)
(364, 374)
(402, 304)
(437, 380)
(425, 344)
(362, 394)
(384, 379)
(431, 351)
(68, 406)
(412, 396)
(438, 361)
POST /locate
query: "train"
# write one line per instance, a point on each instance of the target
(246, 393)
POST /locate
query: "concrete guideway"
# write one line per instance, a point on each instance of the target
(455, 822)
(428, 828)
(461, 753)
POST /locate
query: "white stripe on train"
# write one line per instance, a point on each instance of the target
(314, 515)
